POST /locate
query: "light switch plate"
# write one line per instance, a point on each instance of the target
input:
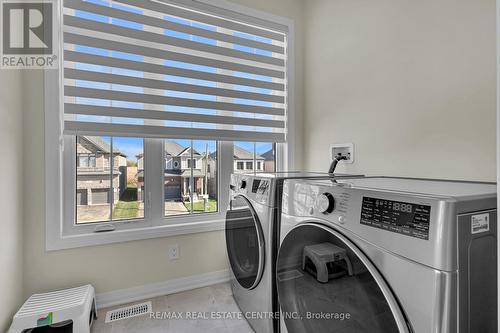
(344, 149)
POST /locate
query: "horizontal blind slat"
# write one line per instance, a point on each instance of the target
(161, 69)
(77, 74)
(167, 40)
(203, 18)
(168, 101)
(96, 129)
(109, 111)
(107, 44)
(168, 25)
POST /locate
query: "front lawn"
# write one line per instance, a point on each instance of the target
(126, 210)
(198, 206)
(128, 206)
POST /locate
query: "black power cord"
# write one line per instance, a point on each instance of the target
(335, 161)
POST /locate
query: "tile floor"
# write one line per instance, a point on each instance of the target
(206, 300)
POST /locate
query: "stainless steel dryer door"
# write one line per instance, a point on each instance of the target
(353, 298)
(245, 242)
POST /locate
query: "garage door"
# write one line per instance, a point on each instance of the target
(172, 192)
(81, 197)
(100, 196)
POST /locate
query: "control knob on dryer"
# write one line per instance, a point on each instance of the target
(325, 203)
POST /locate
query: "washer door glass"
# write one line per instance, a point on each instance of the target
(245, 242)
(326, 284)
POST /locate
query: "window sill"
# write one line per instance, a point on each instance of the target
(92, 239)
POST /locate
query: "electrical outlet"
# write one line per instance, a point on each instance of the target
(173, 252)
(342, 149)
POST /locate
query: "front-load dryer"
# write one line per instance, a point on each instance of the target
(252, 228)
(384, 255)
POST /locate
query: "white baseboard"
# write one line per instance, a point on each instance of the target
(173, 286)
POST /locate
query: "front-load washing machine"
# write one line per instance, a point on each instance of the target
(381, 255)
(252, 228)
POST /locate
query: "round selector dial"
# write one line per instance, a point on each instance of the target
(325, 203)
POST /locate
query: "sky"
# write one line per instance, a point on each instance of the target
(133, 146)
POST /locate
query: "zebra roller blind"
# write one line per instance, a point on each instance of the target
(156, 69)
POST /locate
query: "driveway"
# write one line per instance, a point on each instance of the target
(175, 208)
(93, 213)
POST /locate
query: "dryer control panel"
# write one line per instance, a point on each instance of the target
(252, 187)
(400, 217)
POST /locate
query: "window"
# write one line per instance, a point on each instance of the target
(191, 163)
(136, 76)
(86, 161)
(115, 188)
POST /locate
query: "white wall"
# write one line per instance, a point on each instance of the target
(410, 83)
(11, 141)
(123, 265)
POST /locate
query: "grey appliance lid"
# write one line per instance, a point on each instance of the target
(433, 187)
(297, 175)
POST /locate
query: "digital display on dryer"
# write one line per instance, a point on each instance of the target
(396, 216)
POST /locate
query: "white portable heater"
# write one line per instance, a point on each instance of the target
(70, 310)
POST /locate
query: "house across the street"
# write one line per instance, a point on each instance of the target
(178, 162)
(93, 165)
(244, 161)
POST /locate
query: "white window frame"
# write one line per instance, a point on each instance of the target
(60, 230)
